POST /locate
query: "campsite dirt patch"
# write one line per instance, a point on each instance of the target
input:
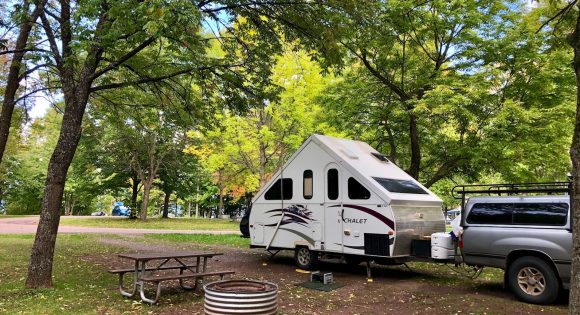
(395, 289)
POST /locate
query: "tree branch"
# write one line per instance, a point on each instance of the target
(562, 11)
(29, 71)
(35, 91)
(124, 58)
(51, 39)
(148, 79)
(396, 89)
(6, 52)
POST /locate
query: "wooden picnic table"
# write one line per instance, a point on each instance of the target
(147, 266)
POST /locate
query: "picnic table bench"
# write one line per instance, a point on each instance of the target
(166, 261)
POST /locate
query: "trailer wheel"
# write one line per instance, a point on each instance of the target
(532, 280)
(305, 258)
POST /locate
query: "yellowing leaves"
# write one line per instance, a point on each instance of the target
(198, 151)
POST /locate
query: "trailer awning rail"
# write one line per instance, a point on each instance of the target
(551, 188)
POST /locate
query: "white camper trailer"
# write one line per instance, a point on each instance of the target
(342, 197)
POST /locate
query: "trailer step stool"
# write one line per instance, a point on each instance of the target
(317, 276)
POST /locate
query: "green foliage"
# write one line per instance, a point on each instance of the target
(26, 167)
(488, 99)
(492, 97)
(244, 150)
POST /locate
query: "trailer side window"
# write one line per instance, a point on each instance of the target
(307, 190)
(332, 183)
(490, 213)
(356, 190)
(540, 213)
(275, 192)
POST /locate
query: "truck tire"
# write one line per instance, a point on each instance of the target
(532, 280)
(305, 258)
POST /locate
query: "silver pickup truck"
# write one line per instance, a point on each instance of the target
(524, 229)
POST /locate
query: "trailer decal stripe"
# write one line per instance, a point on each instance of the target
(374, 213)
(290, 216)
(308, 239)
(297, 210)
(284, 222)
(353, 247)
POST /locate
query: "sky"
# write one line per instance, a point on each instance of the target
(41, 104)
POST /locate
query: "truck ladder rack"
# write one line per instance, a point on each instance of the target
(551, 188)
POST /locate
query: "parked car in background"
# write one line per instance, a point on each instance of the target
(451, 214)
(119, 209)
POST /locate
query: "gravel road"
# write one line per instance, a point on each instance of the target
(28, 224)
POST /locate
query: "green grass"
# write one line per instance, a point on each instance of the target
(206, 239)
(82, 284)
(154, 223)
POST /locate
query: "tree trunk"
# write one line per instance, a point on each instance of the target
(166, 204)
(574, 308)
(145, 202)
(14, 77)
(262, 166)
(41, 258)
(134, 195)
(197, 200)
(69, 203)
(392, 145)
(221, 201)
(415, 166)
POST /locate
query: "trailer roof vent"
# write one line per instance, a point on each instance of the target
(381, 157)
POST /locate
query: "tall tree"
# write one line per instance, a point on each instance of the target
(574, 41)
(408, 48)
(245, 149)
(565, 23)
(464, 99)
(90, 43)
(81, 61)
(27, 20)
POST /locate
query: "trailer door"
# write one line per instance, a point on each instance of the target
(333, 209)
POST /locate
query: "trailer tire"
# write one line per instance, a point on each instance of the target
(532, 280)
(305, 258)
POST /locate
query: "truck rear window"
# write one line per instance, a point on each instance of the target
(544, 214)
(540, 213)
(490, 213)
(400, 186)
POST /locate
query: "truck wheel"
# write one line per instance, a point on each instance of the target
(305, 258)
(532, 280)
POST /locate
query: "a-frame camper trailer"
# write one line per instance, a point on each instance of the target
(342, 197)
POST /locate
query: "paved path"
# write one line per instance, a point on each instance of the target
(27, 225)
